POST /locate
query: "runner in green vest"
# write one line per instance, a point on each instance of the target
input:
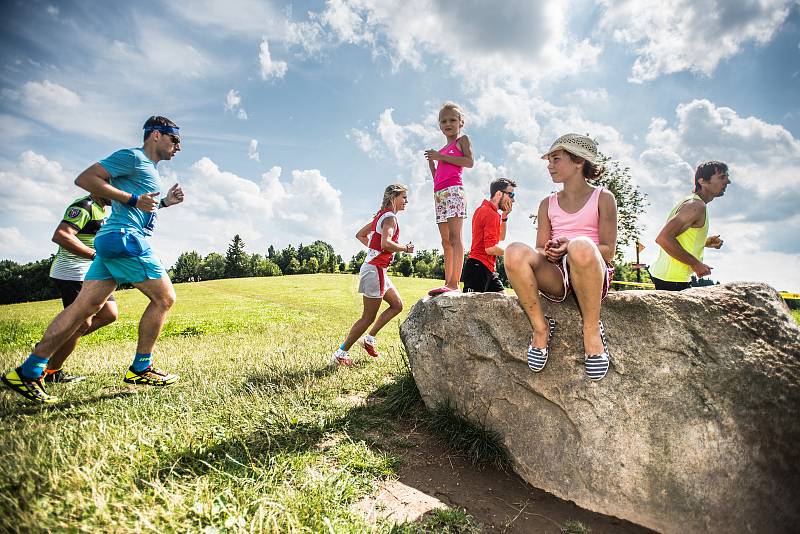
(75, 239)
(684, 237)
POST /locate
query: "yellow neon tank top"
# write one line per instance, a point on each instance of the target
(693, 241)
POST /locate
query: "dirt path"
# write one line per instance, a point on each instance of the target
(432, 476)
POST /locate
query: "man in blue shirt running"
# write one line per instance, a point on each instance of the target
(128, 178)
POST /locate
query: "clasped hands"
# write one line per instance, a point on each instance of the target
(555, 249)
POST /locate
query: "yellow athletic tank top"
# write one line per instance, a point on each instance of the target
(693, 241)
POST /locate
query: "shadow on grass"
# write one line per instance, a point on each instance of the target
(285, 435)
(27, 408)
(275, 377)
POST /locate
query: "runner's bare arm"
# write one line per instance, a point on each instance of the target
(543, 243)
(688, 216)
(96, 180)
(607, 208)
(462, 161)
(388, 228)
(65, 236)
(363, 234)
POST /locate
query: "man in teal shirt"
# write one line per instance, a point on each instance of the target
(128, 178)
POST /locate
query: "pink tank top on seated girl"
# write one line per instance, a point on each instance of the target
(447, 174)
(583, 223)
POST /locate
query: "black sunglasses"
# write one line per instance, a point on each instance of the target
(509, 193)
(175, 139)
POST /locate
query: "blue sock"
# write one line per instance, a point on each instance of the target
(33, 367)
(141, 362)
(341, 346)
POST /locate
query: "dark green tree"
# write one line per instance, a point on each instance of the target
(187, 268)
(236, 260)
(318, 249)
(261, 266)
(357, 260)
(332, 265)
(24, 283)
(284, 258)
(213, 267)
(422, 268)
(312, 265)
(403, 265)
(630, 202)
(293, 267)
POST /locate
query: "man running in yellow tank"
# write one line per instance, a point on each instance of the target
(684, 237)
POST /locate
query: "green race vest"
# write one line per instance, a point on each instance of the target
(693, 241)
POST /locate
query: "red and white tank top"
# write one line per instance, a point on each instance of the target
(375, 254)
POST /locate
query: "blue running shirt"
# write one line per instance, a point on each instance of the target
(133, 172)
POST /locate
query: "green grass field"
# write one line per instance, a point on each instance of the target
(259, 434)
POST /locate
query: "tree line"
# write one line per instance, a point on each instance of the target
(30, 281)
(21, 283)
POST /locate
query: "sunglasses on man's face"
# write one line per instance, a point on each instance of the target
(509, 193)
(174, 138)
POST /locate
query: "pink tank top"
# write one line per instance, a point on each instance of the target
(447, 174)
(583, 223)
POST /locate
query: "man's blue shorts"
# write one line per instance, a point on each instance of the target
(126, 257)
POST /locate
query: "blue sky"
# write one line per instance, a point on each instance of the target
(295, 116)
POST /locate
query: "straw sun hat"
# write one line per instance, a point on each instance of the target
(577, 145)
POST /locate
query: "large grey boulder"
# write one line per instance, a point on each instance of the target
(696, 427)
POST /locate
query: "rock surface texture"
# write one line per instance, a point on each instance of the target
(696, 427)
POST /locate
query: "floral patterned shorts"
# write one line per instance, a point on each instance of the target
(450, 202)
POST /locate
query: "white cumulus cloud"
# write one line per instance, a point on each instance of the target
(269, 67)
(695, 35)
(233, 103)
(303, 208)
(483, 41)
(252, 150)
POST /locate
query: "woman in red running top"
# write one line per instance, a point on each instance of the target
(448, 192)
(381, 236)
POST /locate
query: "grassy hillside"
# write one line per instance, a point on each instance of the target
(259, 432)
(258, 435)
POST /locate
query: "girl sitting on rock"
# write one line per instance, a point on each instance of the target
(575, 243)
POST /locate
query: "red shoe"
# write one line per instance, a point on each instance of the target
(369, 347)
(341, 357)
(439, 291)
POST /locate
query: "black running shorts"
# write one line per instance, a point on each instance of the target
(69, 290)
(478, 279)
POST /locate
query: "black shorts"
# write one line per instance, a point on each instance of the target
(478, 279)
(670, 286)
(69, 290)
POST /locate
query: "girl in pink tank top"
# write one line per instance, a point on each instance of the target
(448, 192)
(575, 244)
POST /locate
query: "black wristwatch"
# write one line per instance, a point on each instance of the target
(162, 204)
